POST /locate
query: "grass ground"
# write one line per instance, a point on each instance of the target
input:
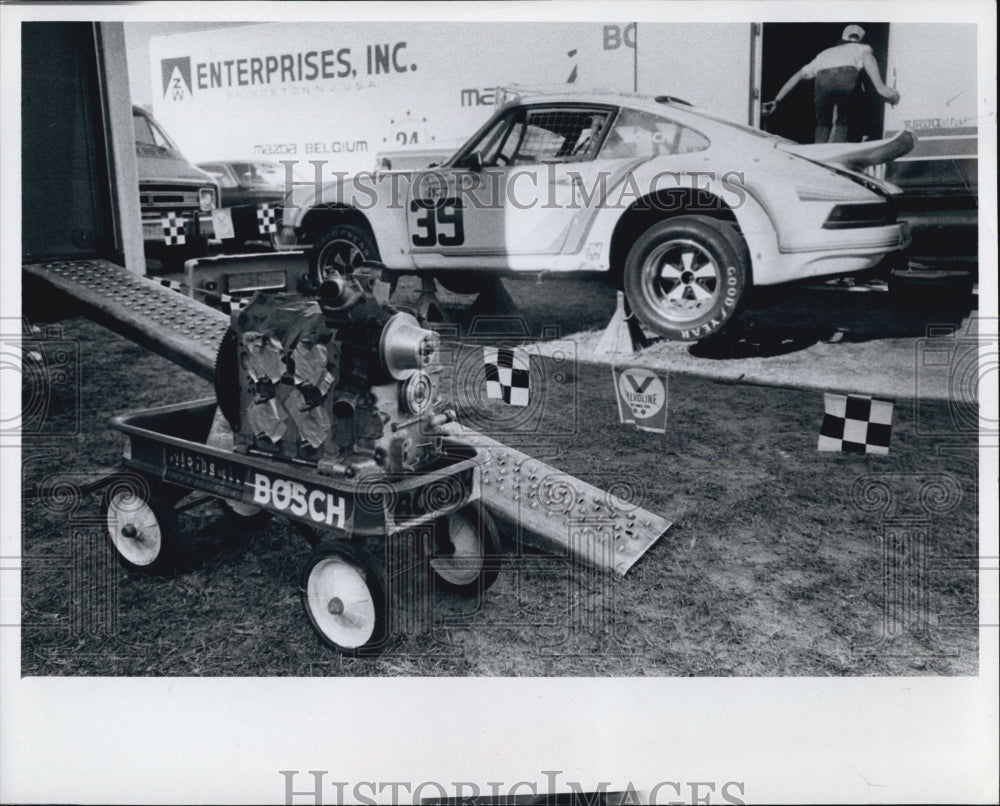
(781, 560)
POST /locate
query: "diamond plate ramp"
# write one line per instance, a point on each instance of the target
(546, 507)
(171, 324)
(557, 512)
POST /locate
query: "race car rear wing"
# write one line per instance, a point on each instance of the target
(855, 156)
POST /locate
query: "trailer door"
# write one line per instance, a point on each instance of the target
(788, 46)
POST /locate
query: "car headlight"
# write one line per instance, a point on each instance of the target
(206, 199)
(285, 238)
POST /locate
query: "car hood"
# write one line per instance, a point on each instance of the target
(161, 165)
(855, 156)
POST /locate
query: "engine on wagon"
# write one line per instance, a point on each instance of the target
(343, 382)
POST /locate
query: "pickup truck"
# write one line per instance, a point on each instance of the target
(170, 189)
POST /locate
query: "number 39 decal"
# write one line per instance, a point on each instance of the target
(432, 215)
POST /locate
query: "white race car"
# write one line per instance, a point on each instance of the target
(687, 210)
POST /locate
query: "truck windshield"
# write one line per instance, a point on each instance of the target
(147, 133)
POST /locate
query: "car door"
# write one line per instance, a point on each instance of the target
(515, 191)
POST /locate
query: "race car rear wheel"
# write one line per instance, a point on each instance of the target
(339, 251)
(686, 277)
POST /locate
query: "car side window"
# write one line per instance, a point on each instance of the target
(559, 135)
(543, 134)
(642, 134)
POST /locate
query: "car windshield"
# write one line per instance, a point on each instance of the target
(257, 174)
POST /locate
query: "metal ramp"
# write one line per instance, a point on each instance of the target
(170, 324)
(547, 508)
(559, 513)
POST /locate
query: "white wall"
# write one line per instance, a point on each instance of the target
(348, 119)
(706, 64)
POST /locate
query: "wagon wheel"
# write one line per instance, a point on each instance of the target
(245, 517)
(346, 598)
(141, 524)
(463, 551)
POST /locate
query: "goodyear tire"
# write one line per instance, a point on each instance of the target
(463, 553)
(346, 598)
(140, 524)
(341, 249)
(686, 278)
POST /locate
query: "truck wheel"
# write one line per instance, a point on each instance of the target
(341, 249)
(140, 524)
(346, 598)
(686, 277)
(463, 551)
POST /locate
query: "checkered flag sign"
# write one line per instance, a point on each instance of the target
(228, 303)
(173, 285)
(173, 230)
(856, 424)
(507, 375)
(267, 218)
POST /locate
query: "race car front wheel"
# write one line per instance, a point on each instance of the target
(340, 250)
(686, 277)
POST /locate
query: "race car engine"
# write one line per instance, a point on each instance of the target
(343, 382)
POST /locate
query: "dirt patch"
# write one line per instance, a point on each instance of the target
(832, 338)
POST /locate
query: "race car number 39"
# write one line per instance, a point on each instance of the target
(320, 506)
(438, 222)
